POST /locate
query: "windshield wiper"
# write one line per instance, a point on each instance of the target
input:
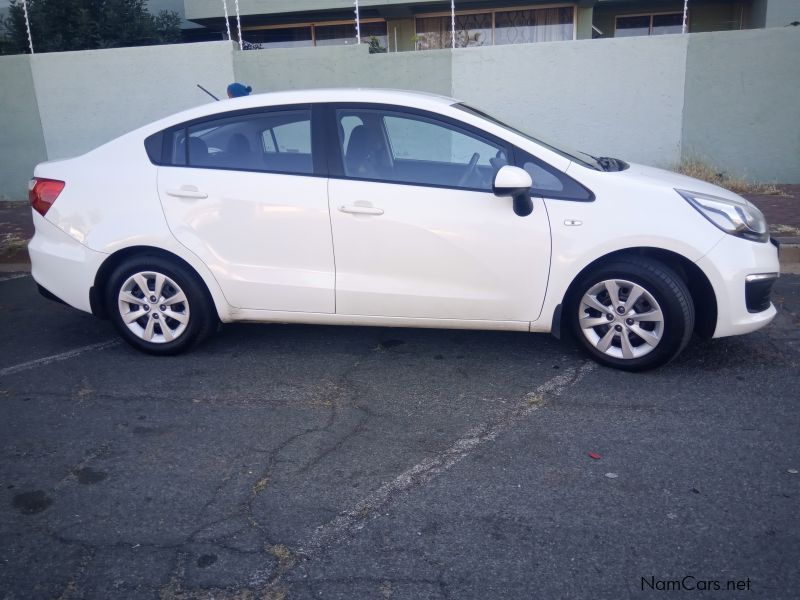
(610, 164)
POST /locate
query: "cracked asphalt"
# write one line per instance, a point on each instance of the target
(282, 461)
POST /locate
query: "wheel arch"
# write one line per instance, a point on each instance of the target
(700, 288)
(97, 292)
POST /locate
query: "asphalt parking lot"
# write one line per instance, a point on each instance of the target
(283, 461)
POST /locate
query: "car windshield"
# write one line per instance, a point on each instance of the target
(587, 160)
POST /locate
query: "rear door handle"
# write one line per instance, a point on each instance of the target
(355, 209)
(187, 192)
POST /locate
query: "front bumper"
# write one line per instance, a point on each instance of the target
(61, 265)
(728, 266)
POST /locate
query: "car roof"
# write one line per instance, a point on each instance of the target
(373, 95)
(407, 98)
(380, 95)
(412, 99)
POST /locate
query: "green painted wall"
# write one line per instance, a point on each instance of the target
(21, 141)
(88, 98)
(343, 66)
(584, 23)
(729, 98)
(615, 97)
(742, 113)
(782, 12)
(773, 13)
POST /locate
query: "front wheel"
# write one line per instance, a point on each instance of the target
(157, 306)
(632, 314)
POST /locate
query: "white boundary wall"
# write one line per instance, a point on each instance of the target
(620, 97)
(87, 98)
(729, 98)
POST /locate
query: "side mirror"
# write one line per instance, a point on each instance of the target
(515, 182)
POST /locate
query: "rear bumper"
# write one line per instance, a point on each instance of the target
(728, 266)
(61, 265)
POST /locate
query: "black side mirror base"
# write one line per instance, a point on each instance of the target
(523, 204)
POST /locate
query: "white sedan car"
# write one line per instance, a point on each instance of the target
(390, 208)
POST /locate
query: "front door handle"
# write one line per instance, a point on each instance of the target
(187, 192)
(356, 209)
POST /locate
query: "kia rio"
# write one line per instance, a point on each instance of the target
(390, 208)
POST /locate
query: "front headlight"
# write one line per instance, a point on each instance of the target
(737, 218)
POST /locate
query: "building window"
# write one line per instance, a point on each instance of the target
(526, 26)
(283, 37)
(337, 33)
(496, 27)
(655, 24)
(473, 29)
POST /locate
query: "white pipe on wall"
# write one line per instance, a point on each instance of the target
(227, 21)
(685, 13)
(27, 24)
(239, 25)
(453, 21)
(358, 26)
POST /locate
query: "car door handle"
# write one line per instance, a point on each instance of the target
(187, 193)
(355, 209)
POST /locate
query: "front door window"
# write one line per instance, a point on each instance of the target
(655, 24)
(408, 148)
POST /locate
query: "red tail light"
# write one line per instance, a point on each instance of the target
(43, 192)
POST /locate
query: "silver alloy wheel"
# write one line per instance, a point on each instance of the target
(153, 307)
(621, 319)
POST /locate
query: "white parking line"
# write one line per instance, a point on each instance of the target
(423, 472)
(56, 357)
(11, 276)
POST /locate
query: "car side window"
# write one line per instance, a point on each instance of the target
(549, 182)
(347, 124)
(268, 141)
(271, 142)
(294, 137)
(393, 146)
(177, 148)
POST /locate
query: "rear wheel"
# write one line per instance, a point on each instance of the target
(632, 314)
(158, 306)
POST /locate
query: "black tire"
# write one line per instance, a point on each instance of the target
(660, 284)
(198, 309)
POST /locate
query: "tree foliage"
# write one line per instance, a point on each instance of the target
(58, 25)
(375, 46)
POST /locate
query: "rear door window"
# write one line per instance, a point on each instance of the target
(276, 141)
(294, 137)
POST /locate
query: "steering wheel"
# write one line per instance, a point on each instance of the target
(473, 162)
